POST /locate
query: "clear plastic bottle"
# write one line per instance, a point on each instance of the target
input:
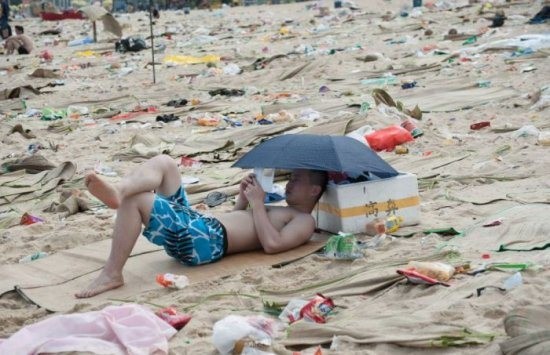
(32, 257)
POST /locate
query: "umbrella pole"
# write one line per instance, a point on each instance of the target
(95, 31)
(152, 41)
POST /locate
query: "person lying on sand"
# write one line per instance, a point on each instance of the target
(194, 238)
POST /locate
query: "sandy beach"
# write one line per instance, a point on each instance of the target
(290, 68)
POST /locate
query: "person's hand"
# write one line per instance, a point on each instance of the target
(247, 180)
(254, 193)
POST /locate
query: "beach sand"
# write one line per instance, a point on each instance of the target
(467, 177)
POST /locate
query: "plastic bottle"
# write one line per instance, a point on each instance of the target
(387, 80)
(410, 126)
(32, 257)
(80, 41)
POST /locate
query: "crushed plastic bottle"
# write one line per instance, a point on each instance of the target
(32, 257)
(387, 80)
(80, 41)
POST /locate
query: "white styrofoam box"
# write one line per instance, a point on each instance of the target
(349, 207)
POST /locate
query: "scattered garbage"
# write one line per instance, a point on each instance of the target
(177, 59)
(309, 114)
(316, 310)
(387, 138)
(240, 335)
(172, 281)
(343, 246)
(383, 81)
(480, 125)
(413, 129)
(104, 170)
(509, 284)
(80, 41)
(130, 44)
(378, 226)
(28, 219)
(232, 69)
(32, 257)
(171, 316)
(494, 223)
(226, 92)
(526, 131)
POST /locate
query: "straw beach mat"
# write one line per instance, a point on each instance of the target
(52, 282)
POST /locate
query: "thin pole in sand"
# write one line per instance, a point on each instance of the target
(95, 31)
(152, 42)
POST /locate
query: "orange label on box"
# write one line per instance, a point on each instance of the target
(371, 208)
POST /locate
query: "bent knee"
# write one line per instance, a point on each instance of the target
(143, 202)
(166, 161)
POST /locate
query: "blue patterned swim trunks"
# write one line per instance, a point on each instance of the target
(185, 234)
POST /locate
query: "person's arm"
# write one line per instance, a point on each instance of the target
(294, 233)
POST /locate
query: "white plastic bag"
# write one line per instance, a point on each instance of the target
(360, 133)
(526, 131)
(231, 329)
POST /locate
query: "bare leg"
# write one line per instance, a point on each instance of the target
(132, 212)
(159, 174)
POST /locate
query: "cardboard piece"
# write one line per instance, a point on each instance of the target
(51, 282)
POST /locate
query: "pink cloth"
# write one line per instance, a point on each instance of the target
(126, 329)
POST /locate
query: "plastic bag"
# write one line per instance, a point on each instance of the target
(436, 270)
(526, 131)
(387, 138)
(315, 310)
(184, 59)
(130, 44)
(343, 247)
(360, 133)
(235, 334)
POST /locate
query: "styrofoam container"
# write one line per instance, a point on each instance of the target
(349, 207)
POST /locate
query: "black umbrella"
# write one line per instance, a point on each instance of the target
(316, 152)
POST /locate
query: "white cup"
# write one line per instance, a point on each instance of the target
(265, 178)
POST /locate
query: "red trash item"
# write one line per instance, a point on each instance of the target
(28, 219)
(65, 15)
(480, 125)
(317, 309)
(189, 162)
(136, 112)
(171, 316)
(387, 138)
(486, 256)
(46, 55)
(494, 223)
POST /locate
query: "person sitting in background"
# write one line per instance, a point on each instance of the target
(20, 42)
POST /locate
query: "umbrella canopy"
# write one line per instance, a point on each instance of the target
(316, 152)
(110, 24)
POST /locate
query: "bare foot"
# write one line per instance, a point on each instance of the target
(105, 192)
(103, 283)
